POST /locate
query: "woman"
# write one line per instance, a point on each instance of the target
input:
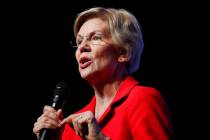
(109, 47)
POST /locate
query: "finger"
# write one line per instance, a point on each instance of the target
(59, 112)
(52, 122)
(36, 129)
(51, 114)
(49, 108)
(46, 118)
(60, 115)
(39, 126)
(83, 126)
(75, 126)
(67, 120)
(81, 123)
(73, 120)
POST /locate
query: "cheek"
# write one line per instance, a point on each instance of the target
(108, 55)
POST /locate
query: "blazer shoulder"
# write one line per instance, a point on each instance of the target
(141, 93)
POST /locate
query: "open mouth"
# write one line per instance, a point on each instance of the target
(84, 62)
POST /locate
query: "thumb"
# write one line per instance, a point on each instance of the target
(60, 114)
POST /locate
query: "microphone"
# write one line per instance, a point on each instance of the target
(58, 102)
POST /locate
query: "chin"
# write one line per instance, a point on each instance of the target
(84, 74)
(87, 76)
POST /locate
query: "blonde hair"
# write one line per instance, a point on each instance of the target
(124, 29)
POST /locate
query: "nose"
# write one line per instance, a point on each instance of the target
(84, 46)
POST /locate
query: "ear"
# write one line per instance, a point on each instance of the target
(123, 58)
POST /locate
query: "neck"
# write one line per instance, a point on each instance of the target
(104, 95)
(106, 92)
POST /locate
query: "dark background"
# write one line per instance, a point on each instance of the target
(36, 39)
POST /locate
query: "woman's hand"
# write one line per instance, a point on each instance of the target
(50, 119)
(85, 125)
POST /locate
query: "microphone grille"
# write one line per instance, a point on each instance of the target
(60, 88)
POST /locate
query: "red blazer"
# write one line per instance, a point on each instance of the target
(136, 113)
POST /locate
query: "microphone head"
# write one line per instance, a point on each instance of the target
(61, 88)
(60, 94)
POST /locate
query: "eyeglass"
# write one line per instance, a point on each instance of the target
(94, 38)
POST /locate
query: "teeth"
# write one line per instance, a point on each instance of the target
(83, 61)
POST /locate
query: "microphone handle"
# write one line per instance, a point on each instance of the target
(58, 102)
(43, 134)
(47, 134)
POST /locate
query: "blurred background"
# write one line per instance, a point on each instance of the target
(36, 38)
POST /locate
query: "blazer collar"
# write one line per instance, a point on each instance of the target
(122, 92)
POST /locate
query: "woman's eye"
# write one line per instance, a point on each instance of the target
(79, 41)
(96, 37)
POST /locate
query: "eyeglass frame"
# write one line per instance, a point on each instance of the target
(90, 38)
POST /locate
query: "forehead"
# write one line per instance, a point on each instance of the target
(92, 25)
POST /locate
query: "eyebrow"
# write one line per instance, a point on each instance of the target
(91, 33)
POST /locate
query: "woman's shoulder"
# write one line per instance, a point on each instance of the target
(146, 98)
(141, 93)
(138, 92)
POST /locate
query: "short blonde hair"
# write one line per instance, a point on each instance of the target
(124, 29)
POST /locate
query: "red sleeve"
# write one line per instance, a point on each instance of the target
(149, 117)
